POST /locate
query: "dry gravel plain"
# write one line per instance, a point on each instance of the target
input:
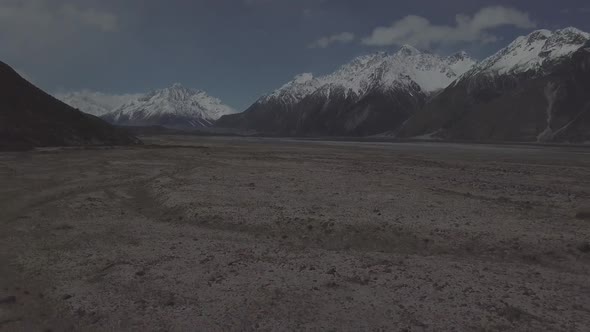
(233, 234)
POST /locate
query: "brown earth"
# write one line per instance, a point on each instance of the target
(268, 234)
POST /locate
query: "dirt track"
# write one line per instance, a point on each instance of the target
(235, 234)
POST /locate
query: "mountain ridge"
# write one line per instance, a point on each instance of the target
(175, 106)
(30, 117)
(532, 90)
(370, 93)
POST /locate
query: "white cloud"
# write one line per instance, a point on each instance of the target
(420, 32)
(37, 25)
(341, 38)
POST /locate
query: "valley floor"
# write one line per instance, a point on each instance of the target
(195, 233)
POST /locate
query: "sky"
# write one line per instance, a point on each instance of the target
(238, 50)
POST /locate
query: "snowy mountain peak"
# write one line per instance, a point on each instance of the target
(461, 62)
(381, 70)
(572, 31)
(295, 90)
(408, 50)
(361, 63)
(194, 106)
(538, 35)
(406, 67)
(178, 91)
(568, 36)
(534, 52)
(303, 78)
(459, 56)
(365, 61)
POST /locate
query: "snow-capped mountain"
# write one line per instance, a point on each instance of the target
(406, 67)
(176, 106)
(95, 103)
(534, 54)
(535, 89)
(371, 93)
(380, 71)
(294, 91)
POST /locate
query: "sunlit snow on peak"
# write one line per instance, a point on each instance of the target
(403, 69)
(531, 53)
(176, 100)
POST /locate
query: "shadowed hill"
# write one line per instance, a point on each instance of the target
(29, 117)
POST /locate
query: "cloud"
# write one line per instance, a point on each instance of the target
(38, 25)
(420, 32)
(341, 38)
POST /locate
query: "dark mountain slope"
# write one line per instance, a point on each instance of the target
(543, 98)
(369, 95)
(30, 117)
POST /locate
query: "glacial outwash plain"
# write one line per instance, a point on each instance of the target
(240, 234)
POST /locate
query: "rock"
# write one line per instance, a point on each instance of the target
(64, 227)
(584, 247)
(8, 300)
(583, 214)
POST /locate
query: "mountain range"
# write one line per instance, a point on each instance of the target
(533, 90)
(174, 107)
(536, 89)
(363, 97)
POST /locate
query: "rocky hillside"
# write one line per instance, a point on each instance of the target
(369, 95)
(30, 117)
(534, 90)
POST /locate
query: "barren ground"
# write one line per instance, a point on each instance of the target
(245, 234)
